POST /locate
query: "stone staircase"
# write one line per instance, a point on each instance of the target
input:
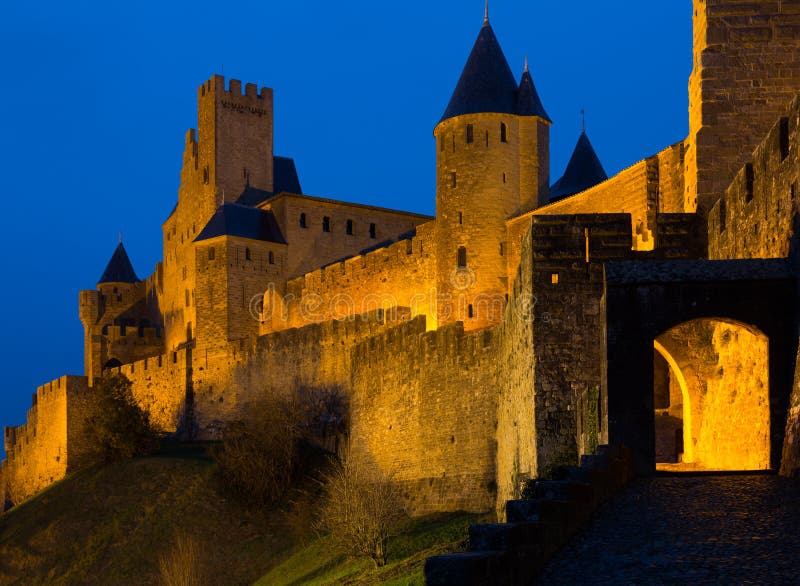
(514, 552)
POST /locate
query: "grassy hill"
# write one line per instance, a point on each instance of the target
(111, 524)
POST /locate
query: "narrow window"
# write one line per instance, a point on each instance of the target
(409, 247)
(326, 224)
(460, 218)
(186, 293)
(749, 178)
(554, 278)
(487, 138)
(470, 134)
(504, 177)
(205, 175)
(183, 272)
(303, 221)
(503, 132)
(453, 180)
(212, 254)
(784, 138)
(441, 143)
(454, 143)
(722, 215)
(247, 255)
(502, 249)
(461, 257)
(349, 227)
(373, 231)
(271, 257)
(470, 311)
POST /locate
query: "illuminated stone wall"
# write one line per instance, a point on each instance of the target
(398, 275)
(312, 247)
(36, 452)
(745, 74)
(424, 413)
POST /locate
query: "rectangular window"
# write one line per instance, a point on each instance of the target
(373, 231)
(502, 249)
(554, 278)
(471, 311)
(460, 218)
(303, 221)
(212, 254)
(326, 224)
(470, 134)
(453, 179)
(350, 227)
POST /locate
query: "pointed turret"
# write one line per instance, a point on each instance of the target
(486, 83)
(119, 268)
(584, 170)
(528, 101)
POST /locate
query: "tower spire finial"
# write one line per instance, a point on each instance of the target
(583, 120)
(120, 236)
(525, 67)
(486, 13)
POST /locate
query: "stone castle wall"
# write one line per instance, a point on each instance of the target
(398, 275)
(757, 217)
(424, 414)
(36, 452)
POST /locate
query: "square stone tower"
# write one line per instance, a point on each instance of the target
(746, 72)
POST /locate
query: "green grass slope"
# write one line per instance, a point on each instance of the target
(110, 525)
(319, 562)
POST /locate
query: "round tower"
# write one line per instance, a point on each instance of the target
(492, 163)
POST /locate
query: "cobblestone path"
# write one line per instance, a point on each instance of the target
(689, 530)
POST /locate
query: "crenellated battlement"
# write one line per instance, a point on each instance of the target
(216, 86)
(754, 218)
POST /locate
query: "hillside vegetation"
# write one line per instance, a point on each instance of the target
(111, 525)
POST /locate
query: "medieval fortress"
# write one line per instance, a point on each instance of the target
(527, 322)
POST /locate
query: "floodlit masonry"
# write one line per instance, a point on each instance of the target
(478, 347)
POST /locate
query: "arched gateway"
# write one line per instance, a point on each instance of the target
(647, 300)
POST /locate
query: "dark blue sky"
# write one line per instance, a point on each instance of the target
(96, 98)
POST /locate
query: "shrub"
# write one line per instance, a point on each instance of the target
(360, 512)
(258, 460)
(183, 564)
(116, 427)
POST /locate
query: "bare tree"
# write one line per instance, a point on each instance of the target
(360, 511)
(258, 460)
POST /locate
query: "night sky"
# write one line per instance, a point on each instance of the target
(96, 99)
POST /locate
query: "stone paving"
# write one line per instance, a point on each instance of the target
(739, 529)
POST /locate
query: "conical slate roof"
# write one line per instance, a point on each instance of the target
(119, 268)
(486, 83)
(528, 102)
(584, 170)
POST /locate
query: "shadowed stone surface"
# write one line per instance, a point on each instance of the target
(689, 530)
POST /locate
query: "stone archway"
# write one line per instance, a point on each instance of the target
(645, 299)
(719, 373)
